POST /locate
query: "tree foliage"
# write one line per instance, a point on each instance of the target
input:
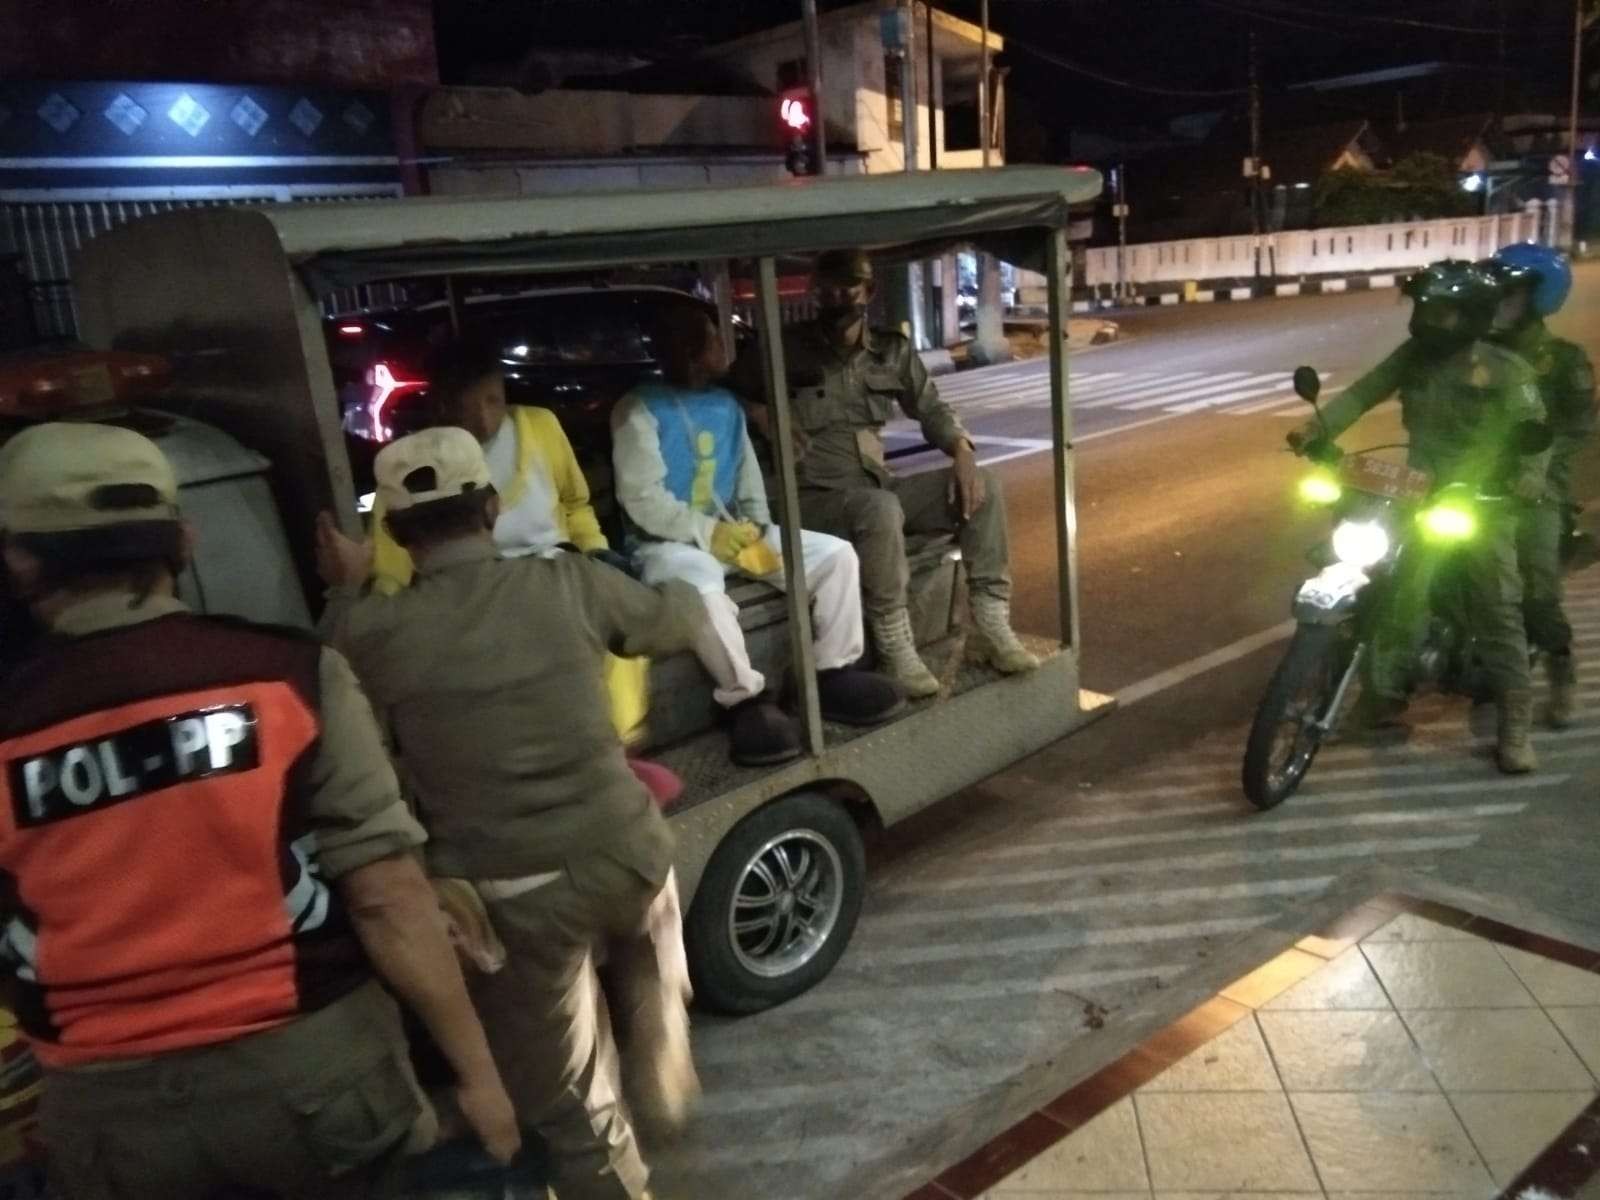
(1421, 186)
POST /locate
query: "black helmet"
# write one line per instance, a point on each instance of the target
(1454, 302)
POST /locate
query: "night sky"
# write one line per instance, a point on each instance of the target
(1518, 50)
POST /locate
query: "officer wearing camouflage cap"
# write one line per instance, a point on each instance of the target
(489, 672)
(177, 794)
(845, 382)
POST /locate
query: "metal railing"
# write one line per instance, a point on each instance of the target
(1290, 254)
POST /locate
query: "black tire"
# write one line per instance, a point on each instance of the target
(1302, 686)
(812, 842)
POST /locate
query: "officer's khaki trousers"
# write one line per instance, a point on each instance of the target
(319, 1109)
(876, 520)
(548, 1027)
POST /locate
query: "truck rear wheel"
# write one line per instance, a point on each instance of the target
(777, 905)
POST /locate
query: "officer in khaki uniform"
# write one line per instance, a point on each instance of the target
(489, 674)
(204, 854)
(845, 382)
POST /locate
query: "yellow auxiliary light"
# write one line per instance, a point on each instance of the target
(1320, 487)
(1448, 522)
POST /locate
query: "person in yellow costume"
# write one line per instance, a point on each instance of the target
(544, 498)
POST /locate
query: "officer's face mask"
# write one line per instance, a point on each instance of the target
(842, 303)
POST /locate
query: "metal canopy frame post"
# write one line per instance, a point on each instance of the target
(797, 597)
(1058, 270)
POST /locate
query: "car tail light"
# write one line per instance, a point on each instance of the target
(386, 383)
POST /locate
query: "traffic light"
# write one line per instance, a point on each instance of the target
(796, 113)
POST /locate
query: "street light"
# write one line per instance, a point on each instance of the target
(1472, 183)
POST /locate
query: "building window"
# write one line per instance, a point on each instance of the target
(894, 94)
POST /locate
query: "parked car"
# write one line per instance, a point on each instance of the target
(575, 350)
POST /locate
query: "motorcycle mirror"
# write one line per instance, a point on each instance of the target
(1307, 383)
(1533, 437)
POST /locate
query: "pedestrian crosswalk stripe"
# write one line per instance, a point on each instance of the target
(1210, 893)
(1238, 393)
(1212, 860)
(1230, 383)
(1278, 826)
(1134, 389)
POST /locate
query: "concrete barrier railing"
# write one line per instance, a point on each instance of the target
(1310, 252)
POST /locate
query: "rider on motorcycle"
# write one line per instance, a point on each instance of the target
(1536, 280)
(1461, 400)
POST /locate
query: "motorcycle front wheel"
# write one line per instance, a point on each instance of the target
(1285, 736)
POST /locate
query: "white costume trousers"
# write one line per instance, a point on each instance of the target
(833, 576)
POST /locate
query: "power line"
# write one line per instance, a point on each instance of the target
(1261, 16)
(1410, 22)
(1079, 69)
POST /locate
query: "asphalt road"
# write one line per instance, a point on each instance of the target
(1189, 535)
(1021, 934)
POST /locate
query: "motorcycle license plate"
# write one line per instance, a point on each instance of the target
(1380, 477)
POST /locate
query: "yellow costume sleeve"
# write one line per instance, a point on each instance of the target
(539, 431)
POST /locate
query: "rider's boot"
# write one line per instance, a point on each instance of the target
(1514, 751)
(1563, 676)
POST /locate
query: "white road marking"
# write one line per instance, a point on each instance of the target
(1184, 672)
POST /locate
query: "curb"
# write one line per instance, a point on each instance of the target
(1307, 287)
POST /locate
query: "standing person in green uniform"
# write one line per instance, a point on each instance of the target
(1537, 280)
(1462, 400)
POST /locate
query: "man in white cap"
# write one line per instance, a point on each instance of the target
(488, 671)
(177, 794)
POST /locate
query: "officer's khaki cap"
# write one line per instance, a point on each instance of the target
(61, 477)
(436, 464)
(843, 266)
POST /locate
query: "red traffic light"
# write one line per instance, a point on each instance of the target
(794, 109)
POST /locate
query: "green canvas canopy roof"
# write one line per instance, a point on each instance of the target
(341, 245)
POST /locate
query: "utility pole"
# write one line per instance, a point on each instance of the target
(1575, 164)
(1122, 231)
(1255, 157)
(819, 136)
(989, 343)
(933, 96)
(983, 84)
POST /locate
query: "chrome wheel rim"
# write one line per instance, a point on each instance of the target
(786, 903)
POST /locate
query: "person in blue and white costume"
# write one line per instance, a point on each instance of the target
(689, 483)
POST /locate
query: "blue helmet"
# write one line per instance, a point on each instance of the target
(1547, 270)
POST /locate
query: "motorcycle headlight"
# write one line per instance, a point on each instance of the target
(1360, 543)
(1449, 521)
(1321, 488)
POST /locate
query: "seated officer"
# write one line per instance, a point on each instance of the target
(689, 482)
(177, 795)
(544, 498)
(845, 381)
(488, 671)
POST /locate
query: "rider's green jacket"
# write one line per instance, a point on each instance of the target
(1566, 383)
(1459, 411)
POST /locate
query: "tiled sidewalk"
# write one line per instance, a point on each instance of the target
(1398, 1057)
